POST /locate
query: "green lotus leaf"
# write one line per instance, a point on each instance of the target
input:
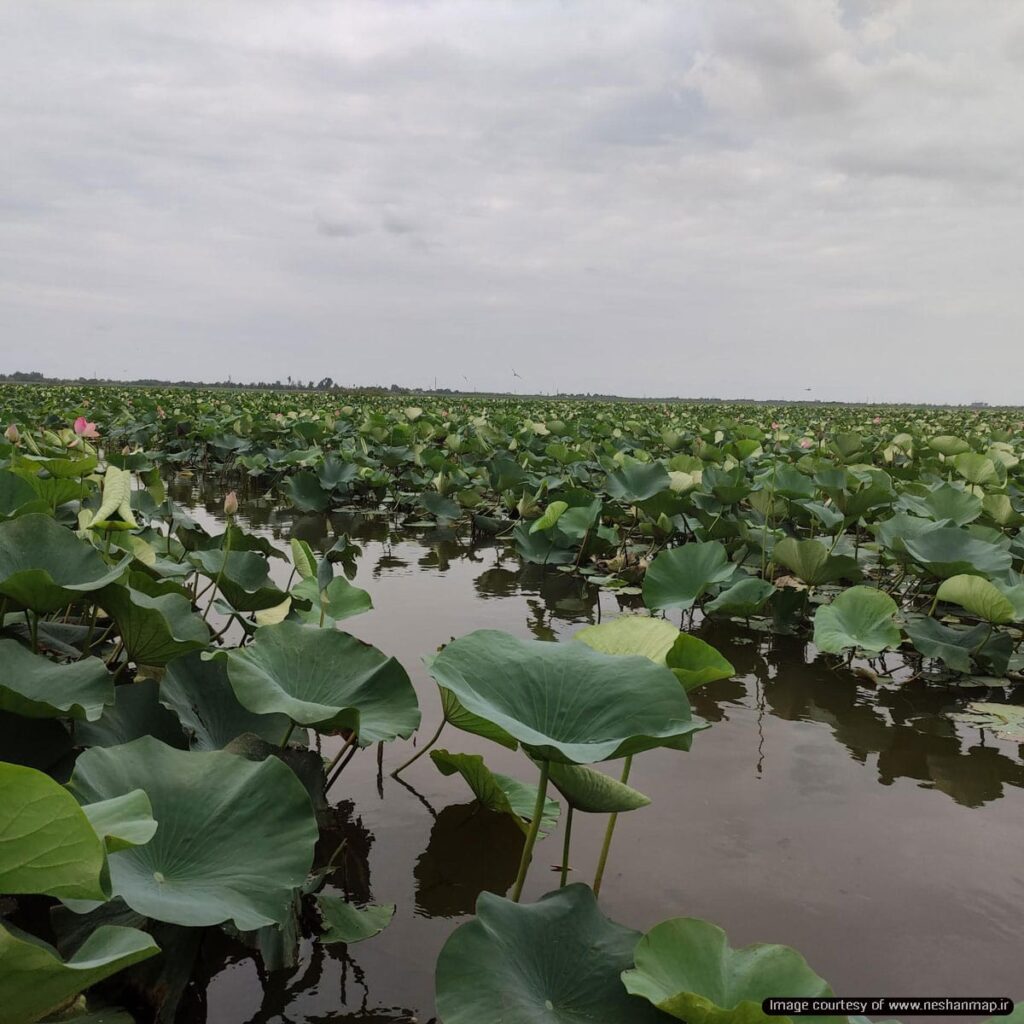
(948, 445)
(154, 618)
(18, 496)
(346, 923)
(975, 468)
(305, 492)
(35, 981)
(498, 793)
(47, 844)
(550, 517)
(115, 511)
(810, 561)
(745, 598)
(542, 548)
(1004, 720)
(455, 714)
(687, 968)
(199, 693)
(960, 507)
(894, 531)
(859, 617)
(243, 578)
(953, 646)
(235, 837)
(303, 559)
(338, 600)
(979, 597)
(122, 821)
(324, 679)
(137, 712)
(45, 567)
(557, 961)
(37, 687)
(678, 577)
(631, 634)
(950, 551)
(565, 701)
(696, 662)
(637, 481)
(586, 789)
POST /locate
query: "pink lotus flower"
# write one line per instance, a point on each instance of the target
(805, 442)
(877, 419)
(776, 425)
(83, 428)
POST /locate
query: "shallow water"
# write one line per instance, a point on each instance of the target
(854, 822)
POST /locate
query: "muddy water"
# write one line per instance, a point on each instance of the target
(854, 822)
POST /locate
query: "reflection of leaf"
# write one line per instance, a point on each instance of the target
(1005, 720)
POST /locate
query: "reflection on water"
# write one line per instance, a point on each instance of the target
(851, 819)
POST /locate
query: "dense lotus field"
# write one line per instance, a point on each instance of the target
(166, 703)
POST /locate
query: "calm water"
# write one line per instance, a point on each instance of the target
(854, 822)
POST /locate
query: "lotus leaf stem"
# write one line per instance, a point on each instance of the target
(419, 753)
(565, 847)
(531, 836)
(609, 832)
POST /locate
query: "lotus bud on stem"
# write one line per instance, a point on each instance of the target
(12, 434)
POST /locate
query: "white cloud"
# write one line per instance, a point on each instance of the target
(725, 197)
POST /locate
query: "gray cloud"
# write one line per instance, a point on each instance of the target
(726, 197)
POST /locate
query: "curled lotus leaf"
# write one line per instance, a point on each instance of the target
(565, 701)
(325, 679)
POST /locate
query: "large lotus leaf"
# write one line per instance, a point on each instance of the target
(950, 551)
(565, 701)
(587, 789)
(677, 578)
(975, 468)
(199, 693)
(637, 481)
(44, 566)
(695, 662)
(122, 821)
(499, 793)
(243, 578)
(346, 923)
(557, 961)
(687, 968)
(631, 634)
(948, 445)
(859, 617)
(810, 561)
(325, 679)
(38, 687)
(542, 548)
(338, 600)
(745, 598)
(235, 837)
(305, 492)
(18, 496)
(47, 844)
(155, 619)
(960, 507)
(35, 981)
(894, 531)
(979, 597)
(1005, 720)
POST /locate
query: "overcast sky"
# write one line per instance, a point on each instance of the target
(696, 198)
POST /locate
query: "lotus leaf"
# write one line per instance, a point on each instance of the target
(45, 567)
(1005, 720)
(47, 844)
(950, 551)
(679, 577)
(324, 679)
(242, 577)
(35, 981)
(557, 961)
(631, 634)
(696, 662)
(38, 687)
(566, 702)
(810, 561)
(979, 597)
(116, 502)
(586, 789)
(859, 617)
(338, 600)
(122, 821)
(349, 924)
(744, 598)
(498, 793)
(687, 968)
(235, 837)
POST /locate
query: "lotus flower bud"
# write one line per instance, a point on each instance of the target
(230, 503)
(126, 450)
(11, 433)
